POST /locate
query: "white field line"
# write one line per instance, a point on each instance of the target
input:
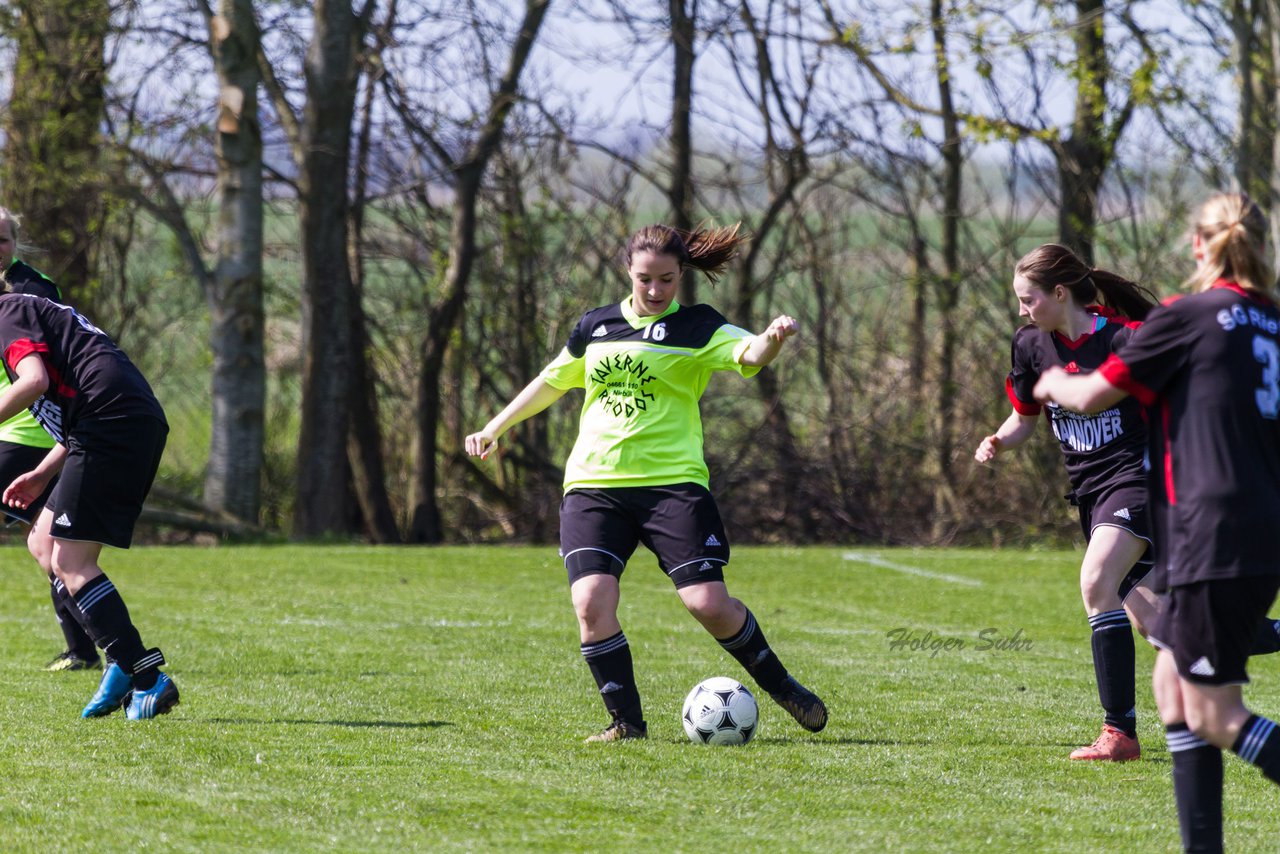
(874, 560)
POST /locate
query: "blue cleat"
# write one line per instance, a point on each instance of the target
(112, 691)
(156, 700)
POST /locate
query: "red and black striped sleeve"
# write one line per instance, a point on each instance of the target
(1155, 352)
(1024, 373)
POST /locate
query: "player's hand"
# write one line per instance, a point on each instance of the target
(481, 444)
(782, 328)
(1047, 385)
(988, 449)
(25, 489)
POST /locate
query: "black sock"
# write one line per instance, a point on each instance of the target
(108, 623)
(752, 651)
(1113, 666)
(1197, 788)
(1259, 744)
(1268, 637)
(610, 663)
(78, 641)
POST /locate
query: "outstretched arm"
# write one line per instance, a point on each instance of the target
(1088, 393)
(1015, 430)
(32, 381)
(764, 348)
(534, 398)
(26, 488)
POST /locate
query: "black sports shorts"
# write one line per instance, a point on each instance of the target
(111, 463)
(1125, 507)
(18, 460)
(680, 524)
(1210, 626)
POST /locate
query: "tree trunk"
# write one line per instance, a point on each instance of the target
(233, 478)
(681, 189)
(321, 505)
(52, 171)
(364, 443)
(1246, 126)
(949, 284)
(424, 526)
(1083, 159)
(1273, 28)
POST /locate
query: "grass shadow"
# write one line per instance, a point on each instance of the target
(350, 724)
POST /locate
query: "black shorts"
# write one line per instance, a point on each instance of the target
(1210, 626)
(17, 460)
(111, 463)
(680, 524)
(1124, 507)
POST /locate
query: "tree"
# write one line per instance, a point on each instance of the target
(467, 173)
(684, 14)
(52, 171)
(320, 141)
(234, 292)
(1083, 148)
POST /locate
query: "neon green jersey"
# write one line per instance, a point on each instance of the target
(23, 429)
(640, 422)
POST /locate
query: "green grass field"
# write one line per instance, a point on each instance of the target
(363, 699)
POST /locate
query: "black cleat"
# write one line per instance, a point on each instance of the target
(802, 704)
(71, 661)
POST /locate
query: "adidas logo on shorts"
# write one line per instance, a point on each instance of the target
(1202, 667)
(1122, 513)
(600, 331)
(63, 521)
(706, 564)
(712, 541)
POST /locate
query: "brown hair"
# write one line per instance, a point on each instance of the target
(1051, 265)
(705, 248)
(1233, 231)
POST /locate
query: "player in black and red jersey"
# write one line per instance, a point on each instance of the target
(1058, 294)
(1207, 366)
(110, 433)
(24, 443)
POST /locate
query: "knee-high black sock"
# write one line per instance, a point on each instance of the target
(78, 640)
(1197, 789)
(752, 651)
(108, 623)
(610, 663)
(1259, 744)
(1268, 638)
(1113, 658)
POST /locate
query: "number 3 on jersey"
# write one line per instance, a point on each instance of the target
(1267, 352)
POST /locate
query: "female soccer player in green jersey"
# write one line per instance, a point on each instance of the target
(636, 473)
(24, 443)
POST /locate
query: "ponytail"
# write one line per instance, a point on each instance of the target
(1048, 266)
(705, 248)
(1233, 235)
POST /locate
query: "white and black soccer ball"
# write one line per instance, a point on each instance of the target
(720, 710)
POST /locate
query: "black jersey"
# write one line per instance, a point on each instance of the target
(1100, 451)
(22, 278)
(89, 376)
(1208, 366)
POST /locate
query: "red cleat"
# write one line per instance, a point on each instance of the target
(1111, 746)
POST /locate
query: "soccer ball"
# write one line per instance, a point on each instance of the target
(720, 710)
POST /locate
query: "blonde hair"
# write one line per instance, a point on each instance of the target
(1233, 234)
(706, 248)
(15, 222)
